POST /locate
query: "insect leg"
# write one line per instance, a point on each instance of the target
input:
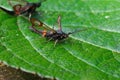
(30, 15)
(50, 39)
(55, 42)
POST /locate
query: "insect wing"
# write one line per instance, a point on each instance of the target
(35, 22)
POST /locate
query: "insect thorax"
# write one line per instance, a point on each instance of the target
(56, 36)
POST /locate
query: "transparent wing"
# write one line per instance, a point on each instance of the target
(35, 22)
(16, 2)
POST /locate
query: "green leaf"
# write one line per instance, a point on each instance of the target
(89, 55)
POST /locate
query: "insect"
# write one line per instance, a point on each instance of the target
(21, 7)
(50, 33)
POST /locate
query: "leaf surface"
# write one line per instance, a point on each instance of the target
(89, 55)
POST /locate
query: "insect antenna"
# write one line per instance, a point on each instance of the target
(59, 23)
(76, 31)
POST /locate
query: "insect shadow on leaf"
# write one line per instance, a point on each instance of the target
(49, 33)
(22, 7)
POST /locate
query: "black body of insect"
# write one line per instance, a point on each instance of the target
(49, 33)
(21, 7)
